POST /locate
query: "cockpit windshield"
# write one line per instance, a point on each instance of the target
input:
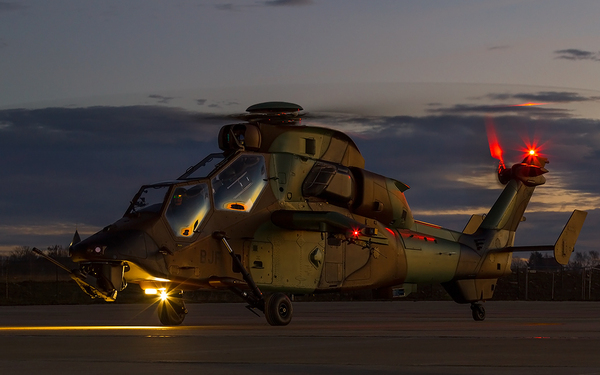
(186, 202)
(149, 199)
(238, 186)
(188, 207)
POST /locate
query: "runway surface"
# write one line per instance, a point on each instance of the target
(323, 338)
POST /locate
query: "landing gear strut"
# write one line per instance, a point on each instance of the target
(277, 308)
(478, 311)
(172, 311)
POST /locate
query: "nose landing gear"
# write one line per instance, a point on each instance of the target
(171, 310)
(478, 311)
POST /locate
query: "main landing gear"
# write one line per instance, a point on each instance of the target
(478, 311)
(277, 307)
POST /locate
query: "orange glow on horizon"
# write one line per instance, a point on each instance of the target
(528, 104)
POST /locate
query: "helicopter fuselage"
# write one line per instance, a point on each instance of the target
(291, 209)
(302, 215)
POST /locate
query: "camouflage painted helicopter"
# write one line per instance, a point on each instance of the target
(289, 209)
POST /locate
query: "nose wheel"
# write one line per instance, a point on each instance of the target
(172, 311)
(478, 311)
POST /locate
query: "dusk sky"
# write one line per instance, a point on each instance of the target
(98, 98)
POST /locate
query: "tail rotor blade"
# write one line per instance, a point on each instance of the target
(495, 148)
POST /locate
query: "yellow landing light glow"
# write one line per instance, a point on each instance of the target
(159, 279)
(81, 328)
(150, 291)
(163, 295)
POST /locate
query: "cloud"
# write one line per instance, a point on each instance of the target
(227, 7)
(545, 97)
(81, 166)
(107, 126)
(533, 110)
(162, 99)
(220, 104)
(57, 164)
(493, 48)
(288, 2)
(273, 3)
(577, 54)
(452, 150)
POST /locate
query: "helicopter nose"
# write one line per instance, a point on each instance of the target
(88, 249)
(113, 246)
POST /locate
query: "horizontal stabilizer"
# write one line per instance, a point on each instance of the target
(564, 246)
(566, 242)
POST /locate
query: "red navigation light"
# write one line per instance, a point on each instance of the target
(531, 149)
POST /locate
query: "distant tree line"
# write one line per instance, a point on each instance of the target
(544, 261)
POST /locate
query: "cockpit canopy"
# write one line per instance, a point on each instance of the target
(187, 203)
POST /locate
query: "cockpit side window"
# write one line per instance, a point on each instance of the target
(238, 186)
(187, 208)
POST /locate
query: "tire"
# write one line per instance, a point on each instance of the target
(478, 312)
(278, 310)
(172, 311)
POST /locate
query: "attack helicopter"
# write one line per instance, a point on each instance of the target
(289, 209)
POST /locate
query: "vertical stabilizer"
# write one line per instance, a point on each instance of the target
(520, 180)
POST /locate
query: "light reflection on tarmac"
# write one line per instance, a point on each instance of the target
(323, 338)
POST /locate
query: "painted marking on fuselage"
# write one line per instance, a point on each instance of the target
(479, 243)
(210, 256)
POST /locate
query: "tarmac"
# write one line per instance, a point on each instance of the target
(399, 337)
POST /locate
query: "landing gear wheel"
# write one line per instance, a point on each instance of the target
(478, 311)
(172, 311)
(278, 310)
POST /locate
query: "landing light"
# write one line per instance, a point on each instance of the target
(163, 295)
(532, 152)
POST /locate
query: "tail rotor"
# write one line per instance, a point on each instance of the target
(529, 171)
